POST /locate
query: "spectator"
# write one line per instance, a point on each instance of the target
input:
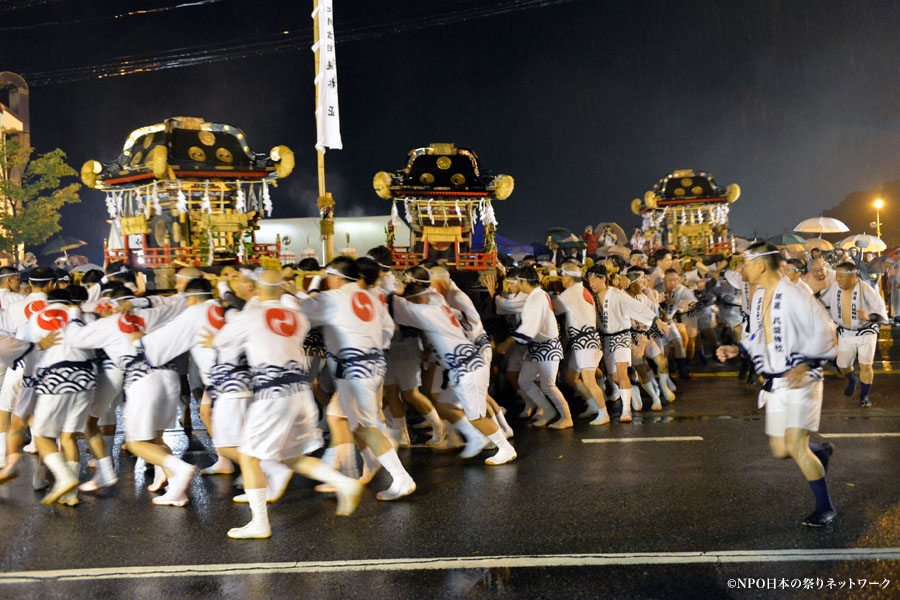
(590, 238)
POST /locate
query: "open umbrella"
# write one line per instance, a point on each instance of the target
(559, 234)
(88, 267)
(795, 250)
(741, 244)
(818, 243)
(821, 225)
(786, 239)
(62, 244)
(617, 231)
(869, 243)
(616, 250)
(577, 244)
(882, 264)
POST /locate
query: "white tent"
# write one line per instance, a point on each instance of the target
(365, 233)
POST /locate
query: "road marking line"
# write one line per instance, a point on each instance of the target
(861, 435)
(686, 438)
(463, 562)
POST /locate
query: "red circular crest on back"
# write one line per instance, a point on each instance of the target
(131, 324)
(215, 314)
(34, 307)
(451, 316)
(281, 322)
(588, 296)
(363, 307)
(52, 319)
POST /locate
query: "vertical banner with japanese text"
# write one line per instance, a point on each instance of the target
(328, 123)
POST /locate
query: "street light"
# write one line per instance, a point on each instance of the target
(878, 204)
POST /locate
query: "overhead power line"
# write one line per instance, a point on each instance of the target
(273, 43)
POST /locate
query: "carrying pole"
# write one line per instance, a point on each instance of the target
(326, 201)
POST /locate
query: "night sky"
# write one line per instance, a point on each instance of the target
(586, 103)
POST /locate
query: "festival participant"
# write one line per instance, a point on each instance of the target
(642, 346)
(816, 277)
(17, 399)
(788, 339)
(893, 277)
(662, 258)
(404, 361)
(679, 304)
(471, 323)
(468, 375)
(540, 333)
(66, 378)
(281, 420)
(857, 309)
(510, 305)
(617, 311)
(9, 287)
(355, 336)
(656, 345)
(151, 394)
(577, 304)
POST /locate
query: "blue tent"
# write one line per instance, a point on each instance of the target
(508, 246)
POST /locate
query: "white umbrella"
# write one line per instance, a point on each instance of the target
(869, 243)
(818, 243)
(821, 225)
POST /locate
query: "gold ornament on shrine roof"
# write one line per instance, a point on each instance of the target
(444, 162)
(207, 138)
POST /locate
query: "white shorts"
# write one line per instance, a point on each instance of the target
(652, 350)
(108, 394)
(437, 384)
(617, 349)
(151, 405)
(788, 408)
(851, 347)
(275, 427)
(516, 356)
(228, 415)
(304, 437)
(359, 401)
(470, 394)
(405, 373)
(25, 403)
(586, 359)
(60, 413)
(9, 390)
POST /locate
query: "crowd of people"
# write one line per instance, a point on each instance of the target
(361, 352)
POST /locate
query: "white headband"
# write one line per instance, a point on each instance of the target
(846, 271)
(409, 277)
(753, 256)
(382, 265)
(121, 272)
(121, 298)
(8, 275)
(330, 271)
(41, 278)
(266, 283)
(196, 294)
(571, 273)
(179, 275)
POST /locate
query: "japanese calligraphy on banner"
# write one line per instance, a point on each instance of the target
(328, 123)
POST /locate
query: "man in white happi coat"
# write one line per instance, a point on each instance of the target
(577, 304)
(858, 311)
(280, 422)
(789, 337)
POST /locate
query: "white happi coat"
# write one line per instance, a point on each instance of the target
(271, 337)
(453, 350)
(471, 322)
(113, 335)
(801, 332)
(182, 334)
(63, 368)
(538, 328)
(8, 298)
(356, 328)
(578, 304)
(865, 301)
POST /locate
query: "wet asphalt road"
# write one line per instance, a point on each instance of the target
(562, 497)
